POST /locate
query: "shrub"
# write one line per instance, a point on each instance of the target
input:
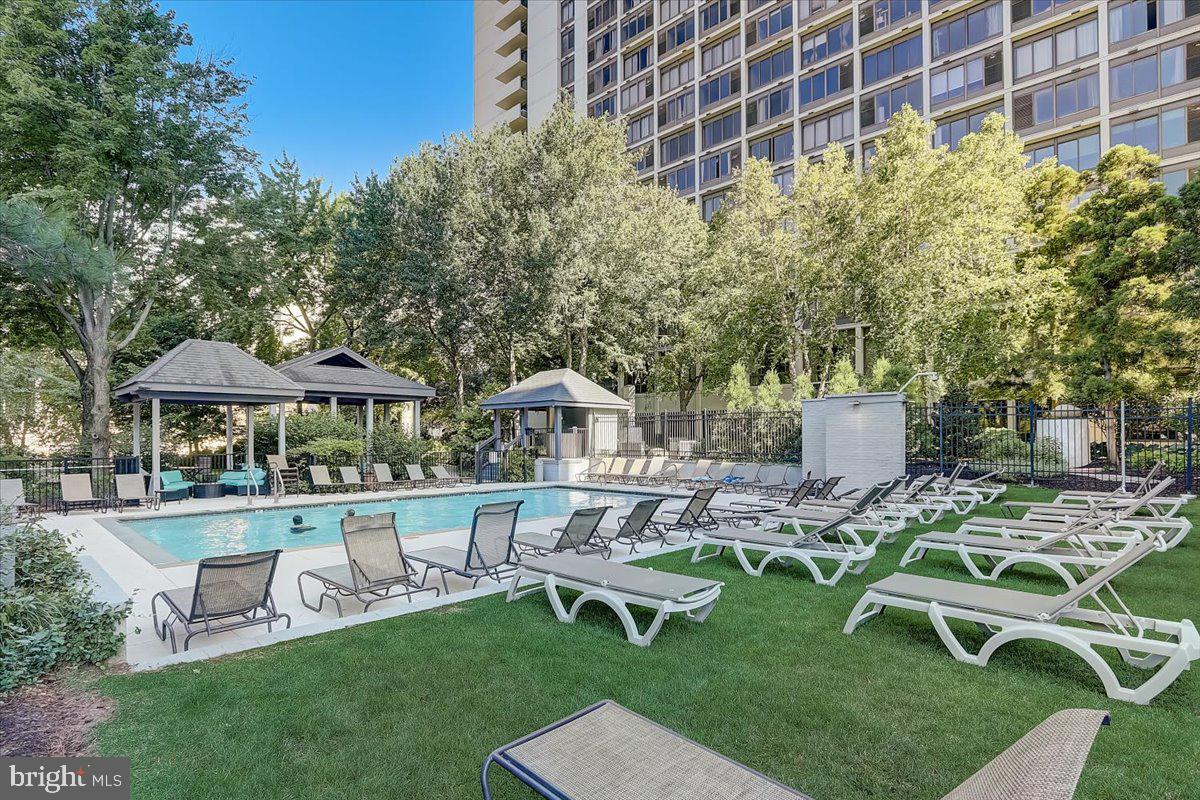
(49, 618)
(340, 451)
(305, 428)
(391, 445)
(844, 379)
(1003, 449)
(738, 394)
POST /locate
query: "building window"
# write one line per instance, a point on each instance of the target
(566, 72)
(717, 12)
(878, 108)
(567, 42)
(1169, 129)
(1024, 9)
(949, 132)
(967, 30)
(721, 129)
(1178, 64)
(637, 61)
(822, 45)
(672, 8)
(769, 69)
(835, 127)
(779, 147)
(785, 179)
(673, 109)
(885, 13)
(898, 57)
(637, 93)
(718, 55)
(637, 25)
(719, 165)
(639, 129)
(827, 83)
(566, 12)
(719, 88)
(1142, 16)
(709, 206)
(1054, 102)
(601, 13)
(679, 146)
(769, 106)
(1137, 133)
(681, 180)
(677, 75)
(1174, 179)
(601, 46)
(601, 78)
(604, 107)
(769, 25)
(677, 35)
(1044, 53)
(1149, 73)
(967, 78)
(1077, 152)
(806, 8)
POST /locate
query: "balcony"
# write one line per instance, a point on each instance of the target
(516, 118)
(517, 39)
(510, 12)
(511, 66)
(514, 93)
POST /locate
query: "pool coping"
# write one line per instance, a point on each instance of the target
(161, 558)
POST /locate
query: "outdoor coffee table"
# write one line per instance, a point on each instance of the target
(207, 491)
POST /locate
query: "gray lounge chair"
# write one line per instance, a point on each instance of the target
(606, 752)
(77, 493)
(12, 500)
(382, 479)
(637, 527)
(618, 586)
(489, 553)
(351, 480)
(375, 566)
(321, 482)
(131, 491)
(231, 592)
(1005, 615)
(444, 477)
(578, 535)
(416, 476)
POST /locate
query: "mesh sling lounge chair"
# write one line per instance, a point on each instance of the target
(1141, 488)
(444, 477)
(798, 495)
(1005, 615)
(321, 482)
(351, 480)
(809, 548)
(985, 487)
(615, 470)
(689, 471)
(653, 472)
(375, 565)
(1153, 500)
(416, 476)
(382, 479)
(636, 527)
(607, 752)
(12, 500)
(131, 491)
(697, 514)
(490, 552)
(598, 468)
(618, 586)
(1070, 553)
(864, 520)
(578, 535)
(231, 592)
(77, 493)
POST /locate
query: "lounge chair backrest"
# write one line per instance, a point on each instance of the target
(383, 473)
(802, 492)
(955, 473)
(772, 475)
(1111, 570)
(872, 496)
(580, 527)
(441, 473)
(746, 472)
(655, 466)
(373, 549)
(793, 475)
(721, 471)
(237, 584)
(685, 470)
(639, 517)
(320, 475)
(701, 467)
(76, 488)
(415, 473)
(492, 531)
(277, 462)
(350, 475)
(1144, 484)
(694, 510)
(131, 487)
(12, 492)
(170, 476)
(636, 467)
(1078, 526)
(828, 486)
(919, 486)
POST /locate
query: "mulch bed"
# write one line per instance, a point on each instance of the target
(51, 718)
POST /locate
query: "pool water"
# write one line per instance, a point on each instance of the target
(195, 536)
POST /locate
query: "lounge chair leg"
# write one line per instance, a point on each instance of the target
(868, 607)
(915, 552)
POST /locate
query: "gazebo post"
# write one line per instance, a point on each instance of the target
(229, 436)
(155, 460)
(387, 413)
(370, 423)
(524, 426)
(282, 429)
(496, 427)
(137, 431)
(557, 433)
(249, 437)
(333, 406)
(417, 419)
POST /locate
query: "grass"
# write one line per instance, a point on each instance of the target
(409, 707)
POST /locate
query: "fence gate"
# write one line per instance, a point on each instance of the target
(1098, 447)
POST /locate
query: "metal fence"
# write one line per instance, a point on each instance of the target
(1097, 447)
(729, 435)
(511, 465)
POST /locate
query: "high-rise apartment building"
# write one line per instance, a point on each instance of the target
(705, 84)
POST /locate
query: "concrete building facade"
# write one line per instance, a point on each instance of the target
(706, 84)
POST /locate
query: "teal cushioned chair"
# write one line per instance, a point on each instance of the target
(174, 487)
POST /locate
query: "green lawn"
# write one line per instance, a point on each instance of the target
(409, 707)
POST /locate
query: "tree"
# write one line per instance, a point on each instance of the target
(738, 394)
(769, 396)
(844, 379)
(99, 117)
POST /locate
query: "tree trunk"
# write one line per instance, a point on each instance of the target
(512, 362)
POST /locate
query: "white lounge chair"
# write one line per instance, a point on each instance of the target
(618, 586)
(12, 499)
(1006, 615)
(1153, 500)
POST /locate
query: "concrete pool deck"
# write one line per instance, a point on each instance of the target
(135, 577)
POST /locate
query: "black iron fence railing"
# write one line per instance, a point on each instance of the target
(730, 435)
(1096, 447)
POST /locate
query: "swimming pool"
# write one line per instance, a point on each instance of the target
(194, 536)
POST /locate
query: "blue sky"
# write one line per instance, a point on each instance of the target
(345, 87)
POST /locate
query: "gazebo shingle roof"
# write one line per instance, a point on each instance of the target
(200, 371)
(341, 371)
(556, 388)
